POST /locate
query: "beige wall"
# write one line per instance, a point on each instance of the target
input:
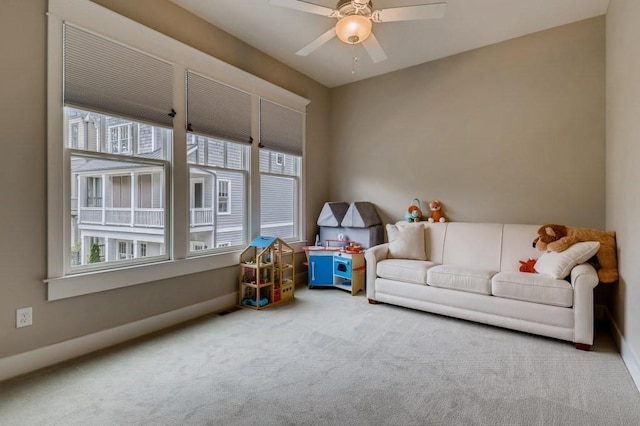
(623, 162)
(23, 173)
(513, 132)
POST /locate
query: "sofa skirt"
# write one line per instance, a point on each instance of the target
(544, 320)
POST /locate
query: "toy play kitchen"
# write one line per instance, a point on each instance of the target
(337, 259)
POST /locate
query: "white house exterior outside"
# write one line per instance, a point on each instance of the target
(118, 203)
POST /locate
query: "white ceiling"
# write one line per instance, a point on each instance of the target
(468, 24)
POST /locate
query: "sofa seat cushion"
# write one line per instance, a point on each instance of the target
(461, 278)
(535, 288)
(410, 271)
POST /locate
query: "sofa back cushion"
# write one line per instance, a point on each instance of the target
(474, 245)
(434, 234)
(517, 245)
(406, 242)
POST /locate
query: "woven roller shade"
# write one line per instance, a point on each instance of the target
(104, 75)
(281, 129)
(215, 109)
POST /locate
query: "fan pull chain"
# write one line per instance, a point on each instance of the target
(354, 61)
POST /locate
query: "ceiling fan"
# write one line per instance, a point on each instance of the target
(355, 21)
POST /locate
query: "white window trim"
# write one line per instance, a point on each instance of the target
(98, 19)
(228, 211)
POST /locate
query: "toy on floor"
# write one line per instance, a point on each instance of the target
(437, 215)
(528, 265)
(414, 213)
(253, 302)
(558, 238)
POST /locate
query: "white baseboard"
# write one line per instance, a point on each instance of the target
(26, 362)
(630, 359)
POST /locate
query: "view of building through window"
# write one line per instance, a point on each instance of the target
(218, 173)
(279, 184)
(118, 197)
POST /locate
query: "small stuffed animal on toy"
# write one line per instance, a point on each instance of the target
(558, 238)
(437, 216)
(528, 265)
(414, 214)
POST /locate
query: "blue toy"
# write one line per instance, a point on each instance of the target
(253, 302)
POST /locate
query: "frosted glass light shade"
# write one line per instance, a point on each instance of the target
(353, 29)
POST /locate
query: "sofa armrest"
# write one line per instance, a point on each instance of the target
(584, 279)
(372, 256)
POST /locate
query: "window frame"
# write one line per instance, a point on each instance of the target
(101, 21)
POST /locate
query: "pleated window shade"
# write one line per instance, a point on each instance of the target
(217, 110)
(281, 129)
(107, 76)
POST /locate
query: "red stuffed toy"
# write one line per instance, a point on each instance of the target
(528, 266)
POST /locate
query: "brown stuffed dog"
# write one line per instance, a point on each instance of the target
(437, 216)
(559, 238)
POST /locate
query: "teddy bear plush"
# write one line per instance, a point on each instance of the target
(414, 213)
(558, 238)
(436, 208)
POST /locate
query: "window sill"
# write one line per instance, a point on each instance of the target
(94, 282)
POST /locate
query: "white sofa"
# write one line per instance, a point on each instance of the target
(472, 272)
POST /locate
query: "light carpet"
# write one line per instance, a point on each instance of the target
(330, 358)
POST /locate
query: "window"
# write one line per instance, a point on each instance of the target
(147, 139)
(125, 250)
(145, 191)
(120, 139)
(74, 135)
(216, 166)
(121, 191)
(111, 166)
(124, 193)
(197, 245)
(224, 199)
(197, 193)
(94, 192)
(280, 165)
(279, 199)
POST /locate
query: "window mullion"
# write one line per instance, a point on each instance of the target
(178, 194)
(253, 187)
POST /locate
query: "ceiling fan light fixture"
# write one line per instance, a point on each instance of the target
(353, 29)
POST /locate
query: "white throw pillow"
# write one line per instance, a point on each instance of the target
(406, 242)
(559, 265)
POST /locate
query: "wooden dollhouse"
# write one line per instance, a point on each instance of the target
(267, 273)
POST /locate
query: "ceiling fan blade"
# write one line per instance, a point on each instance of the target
(373, 48)
(317, 42)
(411, 13)
(303, 6)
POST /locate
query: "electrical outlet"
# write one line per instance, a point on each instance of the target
(24, 317)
